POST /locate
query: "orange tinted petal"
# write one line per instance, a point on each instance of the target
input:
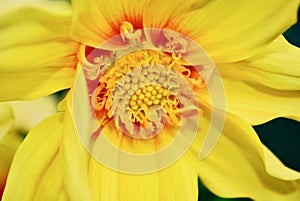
(96, 21)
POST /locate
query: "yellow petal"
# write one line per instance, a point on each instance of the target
(239, 167)
(258, 104)
(265, 86)
(277, 169)
(35, 163)
(26, 115)
(27, 85)
(6, 119)
(74, 160)
(50, 186)
(159, 14)
(36, 56)
(277, 67)
(29, 113)
(228, 31)
(177, 182)
(9, 142)
(96, 21)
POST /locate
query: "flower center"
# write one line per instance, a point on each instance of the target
(138, 97)
(144, 89)
(152, 95)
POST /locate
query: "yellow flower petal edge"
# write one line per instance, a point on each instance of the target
(35, 162)
(228, 30)
(276, 66)
(258, 104)
(240, 166)
(277, 169)
(34, 84)
(36, 56)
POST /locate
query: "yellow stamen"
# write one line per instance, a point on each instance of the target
(164, 98)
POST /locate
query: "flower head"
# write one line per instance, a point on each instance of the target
(129, 128)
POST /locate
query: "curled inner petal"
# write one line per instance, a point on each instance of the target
(128, 34)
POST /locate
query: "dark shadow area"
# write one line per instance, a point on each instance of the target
(282, 137)
(293, 33)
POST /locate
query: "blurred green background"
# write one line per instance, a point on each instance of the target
(281, 136)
